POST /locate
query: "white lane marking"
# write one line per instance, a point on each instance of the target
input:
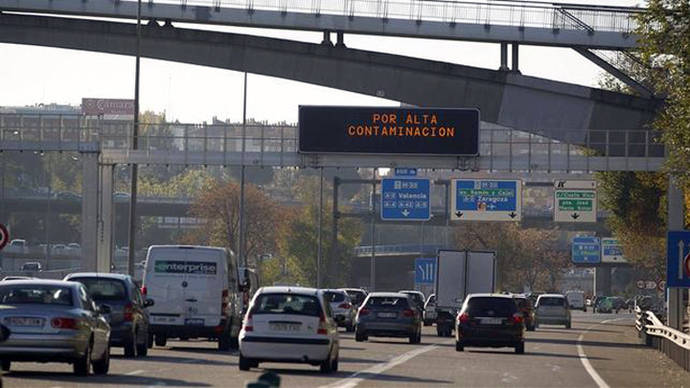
(354, 380)
(583, 357)
(135, 372)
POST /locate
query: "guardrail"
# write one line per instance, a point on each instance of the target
(674, 343)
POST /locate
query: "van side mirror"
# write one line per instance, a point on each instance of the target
(149, 303)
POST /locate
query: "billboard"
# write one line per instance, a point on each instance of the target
(385, 130)
(106, 106)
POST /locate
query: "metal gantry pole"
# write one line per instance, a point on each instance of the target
(240, 243)
(318, 254)
(372, 264)
(135, 144)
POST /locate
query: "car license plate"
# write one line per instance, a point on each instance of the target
(284, 326)
(25, 321)
(386, 315)
(491, 321)
(194, 322)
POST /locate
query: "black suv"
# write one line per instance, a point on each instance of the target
(129, 320)
(490, 320)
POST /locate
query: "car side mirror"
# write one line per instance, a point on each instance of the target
(149, 303)
(104, 309)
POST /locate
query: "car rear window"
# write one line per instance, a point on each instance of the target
(103, 289)
(333, 297)
(35, 294)
(552, 301)
(388, 302)
(356, 296)
(490, 307)
(287, 304)
(523, 303)
(415, 297)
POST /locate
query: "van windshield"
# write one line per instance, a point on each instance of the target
(287, 304)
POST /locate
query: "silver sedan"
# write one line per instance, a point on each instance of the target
(53, 321)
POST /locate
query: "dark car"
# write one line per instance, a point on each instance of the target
(417, 297)
(526, 307)
(129, 320)
(490, 320)
(389, 314)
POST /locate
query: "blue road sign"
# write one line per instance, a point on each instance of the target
(678, 259)
(586, 250)
(486, 200)
(405, 171)
(425, 270)
(405, 199)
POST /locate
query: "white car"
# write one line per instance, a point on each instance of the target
(430, 310)
(552, 309)
(343, 309)
(289, 324)
(196, 294)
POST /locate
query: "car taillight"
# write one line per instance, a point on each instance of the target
(64, 323)
(516, 319)
(225, 302)
(322, 325)
(128, 312)
(364, 311)
(464, 318)
(408, 313)
(344, 305)
(248, 324)
(143, 290)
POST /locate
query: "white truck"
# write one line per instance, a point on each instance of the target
(459, 273)
(576, 300)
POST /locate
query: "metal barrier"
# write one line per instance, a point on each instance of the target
(674, 343)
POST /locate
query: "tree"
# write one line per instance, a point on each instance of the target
(664, 31)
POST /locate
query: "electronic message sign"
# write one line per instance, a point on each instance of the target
(384, 130)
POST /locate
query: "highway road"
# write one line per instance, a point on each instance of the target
(601, 350)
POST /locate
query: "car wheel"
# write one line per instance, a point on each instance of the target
(130, 346)
(102, 366)
(326, 365)
(224, 341)
(82, 365)
(143, 348)
(567, 325)
(360, 336)
(334, 365)
(350, 328)
(459, 347)
(520, 348)
(161, 340)
(5, 365)
(149, 341)
(245, 363)
(419, 336)
(234, 342)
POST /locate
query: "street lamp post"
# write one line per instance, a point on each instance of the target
(135, 144)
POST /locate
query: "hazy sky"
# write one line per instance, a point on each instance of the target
(192, 93)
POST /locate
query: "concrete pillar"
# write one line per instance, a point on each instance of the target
(89, 211)
(340, 40)
(106, 219)
(515, 63)
(327, 39)
(676, 215)
(504, 57)
(602, 281)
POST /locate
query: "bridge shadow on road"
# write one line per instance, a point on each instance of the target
(529, 353)
(585, 343)
(361, 375)
(116, 379)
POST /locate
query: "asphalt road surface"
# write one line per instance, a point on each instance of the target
(600, 350)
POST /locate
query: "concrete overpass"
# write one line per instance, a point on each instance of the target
(509, 99)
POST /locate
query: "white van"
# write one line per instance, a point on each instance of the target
(196, 294)
(576, 300)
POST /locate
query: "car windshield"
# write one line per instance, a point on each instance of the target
(36, 294)
(103, 289)
(490, 307)
(388, 302)
(551, 301)
(287, 304)
(333, 297)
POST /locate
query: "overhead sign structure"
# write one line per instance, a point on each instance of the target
(486, 200)
(4, 236)
(611, 251)
(425, 270)
(405, 199)
(586, 250)
(678, 259)
(106, 106)
(405, 171)
(575, 201)
(386, 130)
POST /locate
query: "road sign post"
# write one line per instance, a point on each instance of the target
(405, 199)
(575, 201)
(678, 259)
(486, 200)
(586, 250)
(4, 236)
